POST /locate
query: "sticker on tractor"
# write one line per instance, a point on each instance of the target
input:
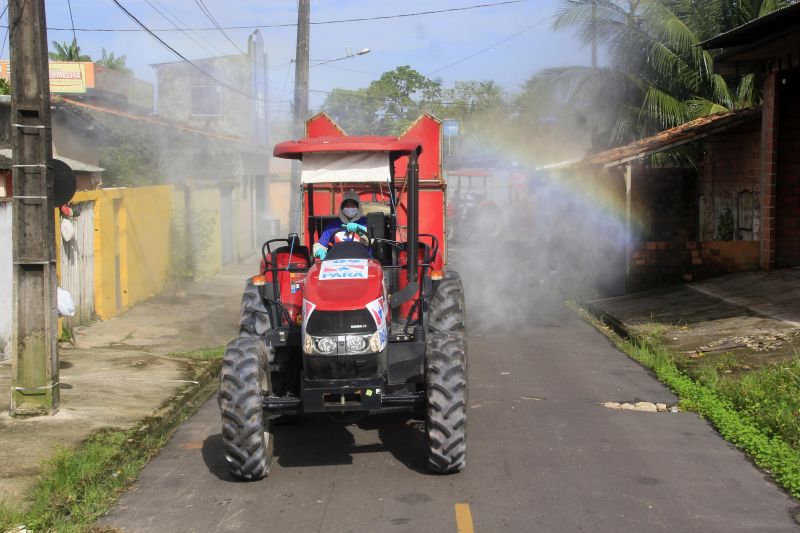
(378, 311)
(308, 308)
(344, 269)
(295, 279)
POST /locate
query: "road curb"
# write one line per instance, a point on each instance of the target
(606, 318)
(173, 409)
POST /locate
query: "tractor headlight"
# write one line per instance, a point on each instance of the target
(325, 345)
(356, 343)
(342, 344)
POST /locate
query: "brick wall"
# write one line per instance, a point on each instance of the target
(729, 185)
(769, 163)
(787, 186)
(657, 264)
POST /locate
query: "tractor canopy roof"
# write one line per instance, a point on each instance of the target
(348, 143)
(347, 159)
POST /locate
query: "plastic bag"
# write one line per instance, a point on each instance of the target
(67, 229)
(66, 306)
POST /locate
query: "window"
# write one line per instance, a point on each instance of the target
(206, 101)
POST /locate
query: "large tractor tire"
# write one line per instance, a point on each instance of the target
(254, 319)
(246, 434)
(448, 308)
(446, 418)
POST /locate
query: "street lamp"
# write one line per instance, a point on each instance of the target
(348, 54)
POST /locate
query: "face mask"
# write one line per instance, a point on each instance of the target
(350, 212)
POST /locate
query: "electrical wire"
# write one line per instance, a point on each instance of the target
(72, 21)
(176, 17)
(198, 43)
(207, 12)
(495, 45)
(183, 58)
(3, 50)
(293, 24)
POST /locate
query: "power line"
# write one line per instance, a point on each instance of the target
(3, 50)
(210, 17)
(72, 21)
(177, 18)
(495, 45)
(182, 57)
(198, 43)
(293, 24)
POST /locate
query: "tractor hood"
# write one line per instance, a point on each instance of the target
(344, 284)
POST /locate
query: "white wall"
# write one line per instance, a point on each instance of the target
(5, 280)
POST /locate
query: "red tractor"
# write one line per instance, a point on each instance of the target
(378, 326)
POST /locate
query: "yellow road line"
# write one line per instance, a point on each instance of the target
(464, 518)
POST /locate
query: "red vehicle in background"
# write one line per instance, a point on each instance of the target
(377, 326)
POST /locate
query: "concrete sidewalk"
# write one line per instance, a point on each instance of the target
(118, 372)
(754, 314)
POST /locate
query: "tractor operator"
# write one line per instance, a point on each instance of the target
(352, 225)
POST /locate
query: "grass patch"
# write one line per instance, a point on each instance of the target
(753, 411)
(206, 354)
(77, 486)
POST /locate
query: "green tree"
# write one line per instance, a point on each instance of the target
(114, 62)
(5, 86)
(657, 76)
(387, 106)
(68, 52)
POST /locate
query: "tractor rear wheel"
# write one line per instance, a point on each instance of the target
(447, 308)
(446, 420)
(254, 319)
(246, 435)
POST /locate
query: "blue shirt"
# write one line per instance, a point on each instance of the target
(334, 228)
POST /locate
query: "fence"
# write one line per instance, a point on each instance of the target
(77, 265)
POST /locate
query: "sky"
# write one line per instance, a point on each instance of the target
(428, 43)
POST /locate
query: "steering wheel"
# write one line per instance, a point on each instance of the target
(362, 235)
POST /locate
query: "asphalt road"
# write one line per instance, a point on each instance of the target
(543, 456)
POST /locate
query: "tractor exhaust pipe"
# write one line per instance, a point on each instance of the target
(412, 254)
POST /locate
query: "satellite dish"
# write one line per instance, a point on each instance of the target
(63, 183)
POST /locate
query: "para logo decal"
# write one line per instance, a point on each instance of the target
(377, 308)
(378, 311)
(344, 269)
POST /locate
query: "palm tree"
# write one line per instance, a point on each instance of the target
(657, 76)
(114, 62)
(67, 52)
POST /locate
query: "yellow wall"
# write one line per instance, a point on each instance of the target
(139, 234)
(205, 232)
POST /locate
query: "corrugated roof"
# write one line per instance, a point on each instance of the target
(156, 121)
(667, 139)
(77, 166)
(755, 30)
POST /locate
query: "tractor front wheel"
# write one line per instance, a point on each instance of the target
(246, 435)
(446, 420)
(448, 308)
(253, 319)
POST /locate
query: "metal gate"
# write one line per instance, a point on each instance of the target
(77, 265)
(744, 214)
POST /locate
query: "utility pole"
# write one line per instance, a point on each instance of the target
(34, 349)
(300, 101)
